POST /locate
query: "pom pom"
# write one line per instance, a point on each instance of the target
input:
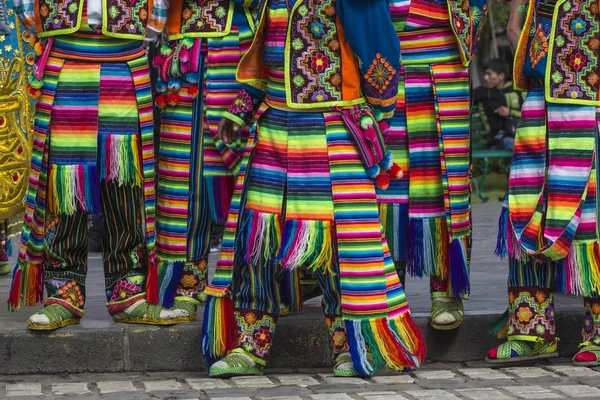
(161, 101)
(174, 85)
(38, 48)
(35, 83)
(396, 172)
(192, 77)
(388, 161)
(371, 134)
(193, 91)
(373, 171)
(384, 127)
(34, 93)
(158, 60)
(165, 50)
(173, 99)
(161, 86)
(184, 55)
(378, 114)
(366, 122)
(383, 181)
(187, 43)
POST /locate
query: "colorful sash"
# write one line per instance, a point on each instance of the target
(552, 191)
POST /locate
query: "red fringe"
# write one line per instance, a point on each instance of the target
(393, 347)
(152, 284)
(230, 324)
(14, 299)
(421, 351)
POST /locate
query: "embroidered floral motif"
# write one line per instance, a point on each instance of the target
(539, 46)
(204, 16)
(467, 21)
(56, 15)
(71, 293)
(255, 332)
(337, 330)
(194, 279)
(575, 57)
(531, 313)
(316, 44)
(124, 290)
(591, 320)
(380, 74)
(127, 17)
(241, 104)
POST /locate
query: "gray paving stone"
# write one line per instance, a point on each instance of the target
(116, 387)
(578, 390)
(230, 398)
(574, 372)
(24, 389)
(483, 394)
(337, 380)
(207, 383)
(531, 392)
(156, 386)
(70, 388)
(381, 396)
(393, 379)
(331, 396)
(435, 374)
(297, 380)
(529, 372)
(280, 398)
(252, 381)
(483, 373)
(431, 394)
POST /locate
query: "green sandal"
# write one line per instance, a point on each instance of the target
(454, 307)
(58, 317)
(236, 363)
(581, 359)
(344, 366)
(186, 304)
(147, 314)
(515, 351)
(4, 268)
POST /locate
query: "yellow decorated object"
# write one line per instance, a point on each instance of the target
(16, 58)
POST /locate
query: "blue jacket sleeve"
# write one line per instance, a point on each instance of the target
(369, 30)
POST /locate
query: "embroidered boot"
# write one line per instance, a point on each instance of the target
(531, 327)
(589, 355)
(190, 292)
(341, 349)
(255, 330)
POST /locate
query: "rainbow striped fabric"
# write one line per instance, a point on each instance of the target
(426, 214)
(97, 111)
(552, 204)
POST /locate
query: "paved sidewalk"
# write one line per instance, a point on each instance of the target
(435, 381)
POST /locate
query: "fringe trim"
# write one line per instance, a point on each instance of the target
(582, 269)
(396, 343)
(499, 328)
(459, 268)
(259, 238)
(72, 187)
(218, 329)
(220, 191)
(169, 277)
(307, 244)
(428, 252)
(27, 287)
(121, 159)
(8, 248)
(394, 218)
(152, 283)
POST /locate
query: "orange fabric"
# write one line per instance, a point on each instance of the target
(174, 17)
(251, 67)
(38, 18)
(351, 82)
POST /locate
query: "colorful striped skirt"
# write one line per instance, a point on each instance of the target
(549, 225)
(426, 214)
(93, 122)
(303, 199)
(196, 172)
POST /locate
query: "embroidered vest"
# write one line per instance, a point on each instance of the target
(201, 18)
(120, 18)
(314, 36)
(464, 17)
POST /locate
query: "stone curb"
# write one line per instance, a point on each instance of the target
(301, 342)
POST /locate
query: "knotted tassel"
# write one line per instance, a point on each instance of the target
(14, 298)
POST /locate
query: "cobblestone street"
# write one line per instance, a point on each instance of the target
(558, 380)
